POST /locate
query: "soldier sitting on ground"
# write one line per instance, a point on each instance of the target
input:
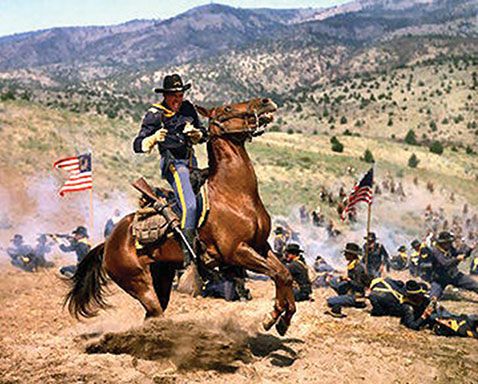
(445, 259)
(21, 254)
(299, 271)
(399, 261)
(350, 289)
(421, 260)
(78, 243)
(43, 248)
(325, 273)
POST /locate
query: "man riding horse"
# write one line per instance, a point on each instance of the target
(174, 127)
(237, 227)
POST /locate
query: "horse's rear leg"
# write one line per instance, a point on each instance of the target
(271, 266)
(163, 276)
(139, 284)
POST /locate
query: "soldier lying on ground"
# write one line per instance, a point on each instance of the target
(325, 273)
(226, 283)
(410, 302)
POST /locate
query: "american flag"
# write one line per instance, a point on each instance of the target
(80, 174)
(362, 192)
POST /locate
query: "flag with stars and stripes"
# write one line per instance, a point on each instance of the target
(80, 176)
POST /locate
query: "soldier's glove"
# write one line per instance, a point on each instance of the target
(194, 134)
(148, 143)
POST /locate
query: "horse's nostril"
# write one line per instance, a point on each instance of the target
(265, 101)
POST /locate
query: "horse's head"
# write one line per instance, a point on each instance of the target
(242, 120)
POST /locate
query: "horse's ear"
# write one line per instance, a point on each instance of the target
(203, 111)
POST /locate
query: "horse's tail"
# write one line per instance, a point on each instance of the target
(87, 286)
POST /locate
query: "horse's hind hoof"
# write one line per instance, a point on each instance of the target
(268, 322)
(282, 326)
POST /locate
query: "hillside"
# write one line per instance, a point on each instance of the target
(292, 168)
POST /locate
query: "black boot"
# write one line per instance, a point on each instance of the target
(190, 235)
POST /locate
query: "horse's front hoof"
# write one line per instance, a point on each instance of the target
(268, 322)
(282, 327)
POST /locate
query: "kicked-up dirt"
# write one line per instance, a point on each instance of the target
(210, 340)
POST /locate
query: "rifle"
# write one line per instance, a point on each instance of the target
(55, 236)
(162, 207)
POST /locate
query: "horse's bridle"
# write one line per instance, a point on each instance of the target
(250, 123)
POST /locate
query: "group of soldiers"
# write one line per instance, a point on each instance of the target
(414, 301)
(31, 259)
(464, 225)
(28, 258)
(433, 267)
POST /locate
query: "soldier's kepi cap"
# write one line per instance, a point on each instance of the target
(17, 237)
(414, 288)
(415, 243)
(352, 248)
(445, 237)
(279, 231)
(172, 83)
(294, 249)
(371, 236)
(80, 231)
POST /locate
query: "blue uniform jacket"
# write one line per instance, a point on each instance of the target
(176, 142)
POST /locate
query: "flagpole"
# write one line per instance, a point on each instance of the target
(369, 220)
(92, 219)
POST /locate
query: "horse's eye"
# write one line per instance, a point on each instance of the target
(227, 109)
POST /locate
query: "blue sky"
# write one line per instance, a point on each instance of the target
(29, 15)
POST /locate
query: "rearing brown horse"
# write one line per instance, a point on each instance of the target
(235, 232)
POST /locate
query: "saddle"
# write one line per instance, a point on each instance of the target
(150, 225)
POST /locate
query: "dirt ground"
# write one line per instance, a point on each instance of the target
(209, 340)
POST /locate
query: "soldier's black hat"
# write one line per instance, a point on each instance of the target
(294, 249)
(371, 236)
(415, 243)
(402, 248)
(352, 248)
(445, 237)
(80, 231)
(279, 231)
(414, 288)
(172, 83)
(17, 237)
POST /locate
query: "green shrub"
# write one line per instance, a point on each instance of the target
(413, 161)
(411, 138)
(436, 147)
(368, 156)
(337, 146)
